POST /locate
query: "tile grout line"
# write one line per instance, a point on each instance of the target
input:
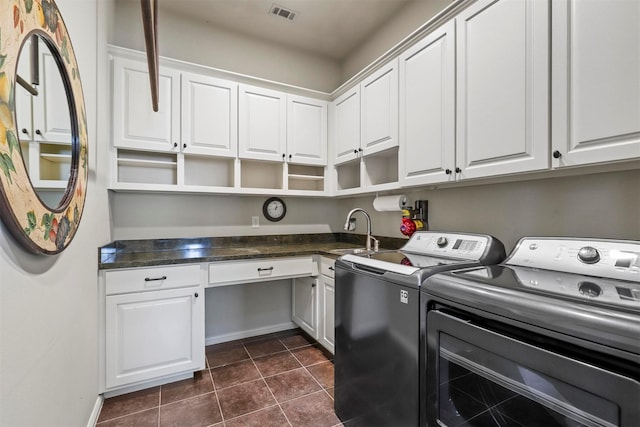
(215, 390)
(265, 381)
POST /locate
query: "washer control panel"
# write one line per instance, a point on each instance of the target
(615, 259)
(448, 245)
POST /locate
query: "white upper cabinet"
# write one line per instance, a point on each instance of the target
(43, 117)
(262, 123)
(346, 126)
(135, 124)
(51, 118)
(427, 109)
(209, 116)
(306, 131)
(502, 87)
(596, 81)
(379, 110)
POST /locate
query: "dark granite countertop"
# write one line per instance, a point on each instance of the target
(151, 252)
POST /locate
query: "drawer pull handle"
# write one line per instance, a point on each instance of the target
(149, 279)
(265, 269)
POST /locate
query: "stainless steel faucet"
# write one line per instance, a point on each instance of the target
(350, 225)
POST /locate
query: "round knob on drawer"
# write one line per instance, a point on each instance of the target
(588, 255)
(25, 131)
(447, 171)
(557, 154)
(196, 295)
(458, 170)
(38, 132)
(442, 242)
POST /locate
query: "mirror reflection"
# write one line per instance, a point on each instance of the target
(43, 121)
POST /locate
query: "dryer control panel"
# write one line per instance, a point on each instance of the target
(459, 246)
(615, 259)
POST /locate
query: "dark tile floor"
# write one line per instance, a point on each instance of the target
(278, 379)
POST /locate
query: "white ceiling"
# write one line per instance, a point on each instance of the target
(331, 28)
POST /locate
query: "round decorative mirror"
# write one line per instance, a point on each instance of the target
(43, 133)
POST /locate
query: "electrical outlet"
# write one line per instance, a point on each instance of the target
(255, 222)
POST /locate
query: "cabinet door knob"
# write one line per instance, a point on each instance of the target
(332, 268)
(557, 154)
(184, 145)
(25, 131)
(447, 171)
(38, 132)
(196, 295)
(360, 150)
(313, 285)
(283, 156)
(175, 144)
(290, 156)
(355, 151)
(458, 170)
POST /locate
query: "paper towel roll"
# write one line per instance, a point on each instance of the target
(390, 203)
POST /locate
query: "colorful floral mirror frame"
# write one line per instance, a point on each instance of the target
(40, 228)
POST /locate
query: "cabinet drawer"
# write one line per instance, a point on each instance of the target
(152, 278)
(326, 266)
(232, 272)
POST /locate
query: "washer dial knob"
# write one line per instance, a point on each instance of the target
(588, 255)
(589, 289)
(441, 242)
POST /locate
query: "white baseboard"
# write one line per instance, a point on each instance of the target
(95, 413)
(250, 333)
(148, 384)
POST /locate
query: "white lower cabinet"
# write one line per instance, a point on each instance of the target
(313, 304)
(305, 305)
(326, 303)
(153, 324)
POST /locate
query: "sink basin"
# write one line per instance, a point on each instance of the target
(350, 251)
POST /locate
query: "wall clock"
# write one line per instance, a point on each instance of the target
(274, 209)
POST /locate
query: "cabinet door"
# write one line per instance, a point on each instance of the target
(326, 333)
(305, 311)
(427, 109)
(596, 81)
(262, 123)
(306, 131)
(23, 99)
(153, 334)
(51, 118)
(379, 109)
(346, 126)
(502, 87)
(135, 124)
(209, 116)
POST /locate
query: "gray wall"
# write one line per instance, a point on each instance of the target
(603, 205)
(596, 205)
(48, 304)
(199, 43)
(399, 26)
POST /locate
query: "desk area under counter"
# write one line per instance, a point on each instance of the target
(162, 301)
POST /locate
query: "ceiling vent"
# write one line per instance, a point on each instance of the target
(282, 12)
